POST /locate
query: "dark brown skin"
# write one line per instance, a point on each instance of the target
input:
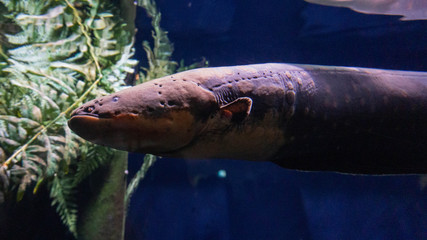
(352, 120)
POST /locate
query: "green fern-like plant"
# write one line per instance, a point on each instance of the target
(159, 56)
(53, 56)
(60, 54)
(159, 53)
(160, 63)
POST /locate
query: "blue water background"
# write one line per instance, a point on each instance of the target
(182, 199)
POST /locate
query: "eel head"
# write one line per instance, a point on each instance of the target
(158, 117)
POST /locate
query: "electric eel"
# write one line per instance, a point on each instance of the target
(304, 117)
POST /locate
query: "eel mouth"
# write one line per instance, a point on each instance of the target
(103, 130)
(84, 115)
(85, 125)
(90, 122)
(95, 114)
(78, 117)
(135, 133)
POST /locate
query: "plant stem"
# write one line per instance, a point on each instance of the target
(133, 184)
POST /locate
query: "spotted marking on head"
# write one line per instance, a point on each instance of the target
(290, 97)
(299, 81)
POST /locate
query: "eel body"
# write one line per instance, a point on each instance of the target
(306, 117)
(409, 9)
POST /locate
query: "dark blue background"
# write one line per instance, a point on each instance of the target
(182, 199)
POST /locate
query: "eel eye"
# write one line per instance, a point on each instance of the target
(115, 99)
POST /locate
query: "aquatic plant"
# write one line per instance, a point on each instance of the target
(54, 55)
(160, 63)
(159, 55)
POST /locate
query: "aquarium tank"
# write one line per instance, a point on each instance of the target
(57, 55)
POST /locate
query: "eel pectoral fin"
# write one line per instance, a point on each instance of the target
(237, 110)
